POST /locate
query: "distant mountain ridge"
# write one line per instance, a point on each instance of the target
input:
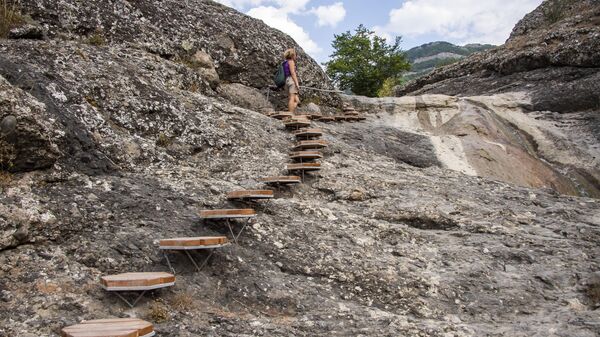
(427, 57)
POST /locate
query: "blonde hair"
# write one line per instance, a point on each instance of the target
(289, 54)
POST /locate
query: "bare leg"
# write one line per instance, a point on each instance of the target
(292, 103)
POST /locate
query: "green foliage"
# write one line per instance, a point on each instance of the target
(361, 62)
(10, 17)
(387, 89)
(435, 48)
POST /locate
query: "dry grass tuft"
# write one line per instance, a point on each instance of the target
(96, 39)
(10, 17)
(6, 178)
(182, 301)
(158, 312)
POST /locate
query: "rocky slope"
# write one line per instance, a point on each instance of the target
(108, 148)
(221, 44)
(497, 136)
(552, 54)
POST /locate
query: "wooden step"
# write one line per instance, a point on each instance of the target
(282, 115)
(137, 281)
(250, 194)
(327, 119)
(306, 155)
(296, 123)
(308, 132)
(351, 113)
(227, 213)
(340, 118)
(201, 242)
(304, 167)
(114, 327)
(282, 180)
(310, 144)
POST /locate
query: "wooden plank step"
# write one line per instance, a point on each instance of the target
(307, 155)
(340, 118)
(310, 144)
(227, 213)
(201, 242)
(296, 123)
(137, 281)
(114, 327)
(351, 113)
(282, 180)
(314, 116)
(250, 194)
(327, 119)
(282, 115)
(308, 132)
(304, 167)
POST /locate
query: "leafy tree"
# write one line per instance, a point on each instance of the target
(361, 62)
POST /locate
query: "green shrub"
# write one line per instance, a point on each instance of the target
(387, 89)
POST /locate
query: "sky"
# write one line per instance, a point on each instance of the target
(313, 23)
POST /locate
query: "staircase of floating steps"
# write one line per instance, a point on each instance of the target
(145, 281)
(115, 327)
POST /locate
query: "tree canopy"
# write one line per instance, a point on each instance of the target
(362, 62)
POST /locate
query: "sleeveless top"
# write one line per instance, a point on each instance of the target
(286, 69)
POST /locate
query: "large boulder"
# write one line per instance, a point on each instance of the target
(244, 50)
(28, 134)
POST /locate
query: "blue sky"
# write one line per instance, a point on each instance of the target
(313, 23)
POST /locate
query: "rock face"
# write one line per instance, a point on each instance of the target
(28, 133)
(244, 50)
(497, 137)
(384, 241)
(552, 54)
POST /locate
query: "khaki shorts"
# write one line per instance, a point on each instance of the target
(290, 86)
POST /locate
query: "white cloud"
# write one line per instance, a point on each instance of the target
(278, 14)
(467, 21)
(241, 3)
(329, 15)
(279, 18)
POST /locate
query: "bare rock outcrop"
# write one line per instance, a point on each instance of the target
(244, 49)
(497, 137)
(552, 54)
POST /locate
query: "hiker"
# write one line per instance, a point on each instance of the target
(291, 79)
